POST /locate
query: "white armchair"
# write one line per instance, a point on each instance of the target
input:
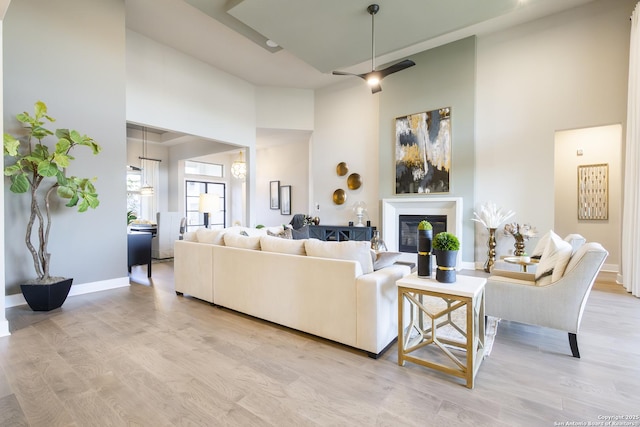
(559, 305)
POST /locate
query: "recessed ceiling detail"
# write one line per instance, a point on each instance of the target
(334, 34)
(317, 37)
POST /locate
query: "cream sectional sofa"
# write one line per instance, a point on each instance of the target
(328, 289)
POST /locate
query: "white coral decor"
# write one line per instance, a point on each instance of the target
(491, 216)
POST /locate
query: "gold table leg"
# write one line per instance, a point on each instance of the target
(474, 335)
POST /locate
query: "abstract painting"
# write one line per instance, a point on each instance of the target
(423, 152)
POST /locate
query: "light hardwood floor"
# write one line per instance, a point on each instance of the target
(144, 356)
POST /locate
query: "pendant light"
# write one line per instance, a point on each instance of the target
(239, 168)
(146, 189)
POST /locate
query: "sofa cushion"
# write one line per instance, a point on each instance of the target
(553, 261)
(190, 236)
(252, 232)
(236, 240)
(382, 259)
(282, 246)
(351, 250)
(214, 237)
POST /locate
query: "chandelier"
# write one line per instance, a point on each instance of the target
(239, 167)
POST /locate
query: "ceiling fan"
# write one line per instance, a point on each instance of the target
(374, 77)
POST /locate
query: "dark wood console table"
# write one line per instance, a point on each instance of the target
(339, 233)
(139, 250)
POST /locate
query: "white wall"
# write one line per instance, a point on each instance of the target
(346, 130)
(4, 325)
(170, 90)
(71, 55)
(284, 108)
(562, 72)
(601, 144)
(357, 127)
(287, 163)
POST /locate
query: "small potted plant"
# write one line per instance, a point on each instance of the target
(445, 248)
(41, 172)
(425, 236)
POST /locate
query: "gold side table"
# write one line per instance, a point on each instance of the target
(422, 328)
(521, 261)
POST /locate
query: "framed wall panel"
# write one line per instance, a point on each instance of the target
(593, 192)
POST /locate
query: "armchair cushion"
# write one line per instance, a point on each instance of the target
(553, 261)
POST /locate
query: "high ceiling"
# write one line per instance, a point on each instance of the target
(316, 37)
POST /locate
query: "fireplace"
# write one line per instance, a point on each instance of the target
(392, 209)
(408, 230)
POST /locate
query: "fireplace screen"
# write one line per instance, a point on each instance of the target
(408, 230)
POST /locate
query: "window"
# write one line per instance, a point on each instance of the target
(213, 170)
(197, 219)
(143, 207)
(134, 182)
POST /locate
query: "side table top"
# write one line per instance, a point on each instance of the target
(467, 286)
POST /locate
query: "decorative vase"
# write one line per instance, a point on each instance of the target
(519, 245)
(491, 254)
(377, 244)
(424, 252)
(446, 266)
(46, 297)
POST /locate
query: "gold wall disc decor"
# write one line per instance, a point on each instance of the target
(339, 196)
(342, 169)
(354, 181)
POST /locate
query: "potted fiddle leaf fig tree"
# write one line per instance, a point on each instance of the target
(40, 171)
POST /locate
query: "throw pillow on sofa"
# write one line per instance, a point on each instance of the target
(282, 246)
(284, 234)
(542, 243)
(236, 240)
(553, 261)
(383, 259)
(351, 250)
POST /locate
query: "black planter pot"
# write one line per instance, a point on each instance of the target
(424, 252)
(446, 261)
(46, 297)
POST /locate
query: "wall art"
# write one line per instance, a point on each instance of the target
(593, 191)
(285, 200)
(423, 152)
(274, 195)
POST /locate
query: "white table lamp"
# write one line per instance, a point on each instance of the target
(209, 204)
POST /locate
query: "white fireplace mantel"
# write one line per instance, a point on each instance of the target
(393, 208)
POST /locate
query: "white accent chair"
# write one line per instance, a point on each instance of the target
(575, 240)
(559, 305)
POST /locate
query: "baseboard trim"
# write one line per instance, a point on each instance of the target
(81, 289)
(4, 328)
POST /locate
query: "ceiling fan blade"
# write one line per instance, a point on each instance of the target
(396, 67)
(344, 73)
